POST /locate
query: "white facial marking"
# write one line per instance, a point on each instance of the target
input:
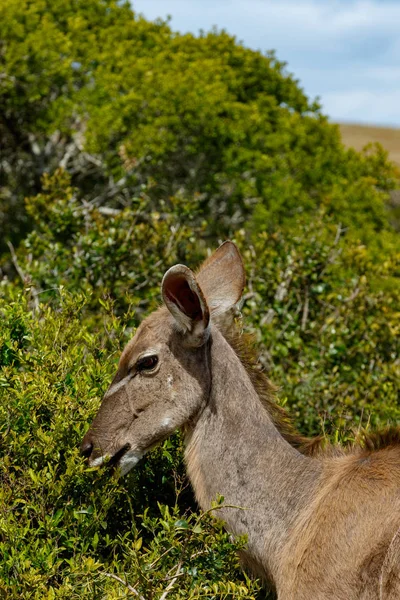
(97, 462)
(117, 386)
(149, 352)
(166, 422)
(129, 460)
(170, 380)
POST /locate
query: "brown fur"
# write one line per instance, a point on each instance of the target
(321, 524)
(326, 558)
(371, 441)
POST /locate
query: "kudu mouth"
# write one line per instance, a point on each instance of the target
(115, 459)
(111, 462)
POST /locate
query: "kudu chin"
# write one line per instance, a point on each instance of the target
(320, 525)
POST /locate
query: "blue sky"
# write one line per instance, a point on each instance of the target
(347, 52)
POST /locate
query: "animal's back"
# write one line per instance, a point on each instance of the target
(389, 584)
(346, 546)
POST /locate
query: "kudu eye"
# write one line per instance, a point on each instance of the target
(147, 363)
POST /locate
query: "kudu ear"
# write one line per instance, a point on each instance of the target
(187, 304)
(222, 279)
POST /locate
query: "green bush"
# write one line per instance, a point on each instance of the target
(328, 319)
(326, 315)
(122, 103)
(129, 148)
(68, 531)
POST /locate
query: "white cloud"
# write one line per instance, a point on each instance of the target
(322, 19)
(338, 49)
(349, 105)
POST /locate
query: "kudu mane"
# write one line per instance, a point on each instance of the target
(244, 346)
(378, 440)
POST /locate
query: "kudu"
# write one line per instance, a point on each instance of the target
(323, 527)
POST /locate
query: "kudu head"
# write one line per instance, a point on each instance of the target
(163, 379)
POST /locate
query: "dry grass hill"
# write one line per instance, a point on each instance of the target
(357, 136)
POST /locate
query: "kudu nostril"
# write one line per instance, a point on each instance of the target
(86, 448)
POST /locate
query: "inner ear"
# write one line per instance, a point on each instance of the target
(180, 293)
(185, 301)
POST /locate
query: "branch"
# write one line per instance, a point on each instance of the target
(15, 263)
(25, 279)
(125, 583)
(108, 211)
(338, 234)
(305, 312)
(172, 582)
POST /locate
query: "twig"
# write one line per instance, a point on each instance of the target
(353, 295)
(15, 263)
(181, 574)
(108, 211)
(152, 565)
(338, 234)
(141, 285)
(333, 254)
(125, 583)
(70, 149)
(220, 507)
(172, 582)
(25, 279)
(305, 312)
(247, 296)
(283, 287)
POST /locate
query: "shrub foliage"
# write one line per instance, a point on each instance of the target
(128, 148)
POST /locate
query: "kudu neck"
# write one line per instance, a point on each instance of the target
(235, 450)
